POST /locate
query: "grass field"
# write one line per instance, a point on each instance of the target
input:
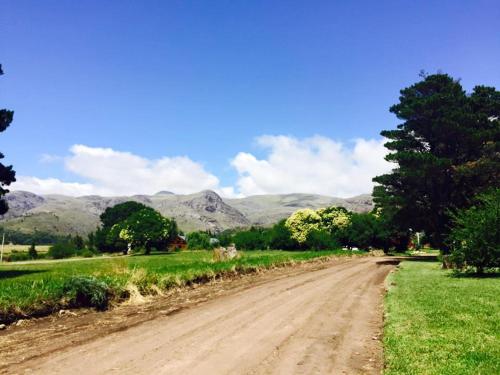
(440, 324)
(38, 288)
(39, 248)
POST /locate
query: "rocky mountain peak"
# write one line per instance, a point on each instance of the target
(207, 200)
(21, 202)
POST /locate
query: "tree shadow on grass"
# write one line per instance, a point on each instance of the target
(155, 253)
(474, 275)
(9, 274)
(390, 262)
(417, 258)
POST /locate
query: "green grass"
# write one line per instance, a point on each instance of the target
(32, 289)
(440, 324)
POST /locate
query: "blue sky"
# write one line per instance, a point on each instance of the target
(199, 84)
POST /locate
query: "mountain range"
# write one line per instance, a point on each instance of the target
(206, 210)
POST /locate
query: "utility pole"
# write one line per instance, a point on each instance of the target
(1, 252)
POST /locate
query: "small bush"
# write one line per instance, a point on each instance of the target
(198, 241)
(17, 256)
(86, 291)
(62, 250)
(475, 237)
(86, 253)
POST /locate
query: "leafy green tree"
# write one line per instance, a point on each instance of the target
(7, 174)
(113, 241)
(280, 238)
(252, 239)
(445, 151)
(33, 254)
(146, 229)
(198, 241)
(108, 239)
(364, 230)
(321, 240)
(475, 237)
(100, 239)
(120, 212)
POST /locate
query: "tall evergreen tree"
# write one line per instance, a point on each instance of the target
(7, 174)
(445, 152)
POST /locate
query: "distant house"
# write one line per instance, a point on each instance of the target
(179, 242)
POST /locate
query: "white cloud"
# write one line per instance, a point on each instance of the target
(317, 165)
(49, 158)
(52, 186)
(111, 172)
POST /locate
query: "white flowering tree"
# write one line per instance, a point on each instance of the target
(301, 223)
(334, 219)
(306, 221)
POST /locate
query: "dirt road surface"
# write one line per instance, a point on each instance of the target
(317, 320)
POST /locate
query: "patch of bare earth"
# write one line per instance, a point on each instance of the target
(314, 318)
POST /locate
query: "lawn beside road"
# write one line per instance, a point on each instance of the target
(27, 289)
(440, 324)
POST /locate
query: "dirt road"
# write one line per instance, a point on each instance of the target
(324, 321)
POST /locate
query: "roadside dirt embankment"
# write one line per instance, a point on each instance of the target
(313, 318)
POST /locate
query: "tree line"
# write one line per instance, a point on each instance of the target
(446, 155)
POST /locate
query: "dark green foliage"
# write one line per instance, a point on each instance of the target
(279, 237)
(252, 239)
(86, 253)
(371, 230)
(198, 241)
(17, 256)
(112, 240)
(364, 230)
(107, 239)
(321, 240)
(78, 242)
(100, 240)
(32, 251)
(146, 229)
(475, 237)
(62, 250)
(445, 151)
(7, 174)
(91, 241)
(225, 238)
(118, 213)
(86, 291)
(40, 238)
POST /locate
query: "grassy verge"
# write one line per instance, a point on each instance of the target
(440, 324)
(38, 289)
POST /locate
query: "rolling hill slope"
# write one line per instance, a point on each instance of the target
(205, 210)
